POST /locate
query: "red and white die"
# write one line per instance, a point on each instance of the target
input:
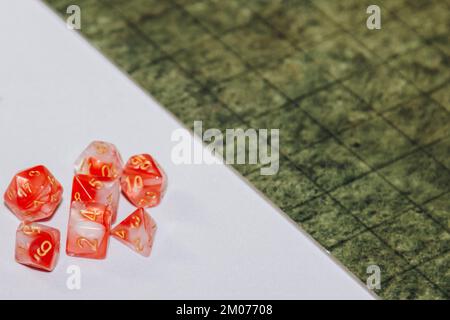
(33, 194)
(97, 189)
(143, 181)
(37, 246)
(137, 232)
(100, 159)
(88, 230)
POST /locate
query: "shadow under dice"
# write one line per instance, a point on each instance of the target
(98, 190)
(33, 194)
(143, 181)
(137, 232)
(88, 231)
(100, 159)
(37, 246)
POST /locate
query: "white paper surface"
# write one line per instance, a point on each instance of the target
(217, 237)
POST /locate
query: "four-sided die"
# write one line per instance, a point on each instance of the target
(137, 232)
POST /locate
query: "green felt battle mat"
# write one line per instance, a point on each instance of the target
(364, 115)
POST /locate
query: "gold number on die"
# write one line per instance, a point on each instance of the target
(42, 251)
(121, 234)
(101, 148)
(95, 183)
(148, 198)
(51, 179)
(34, 173)
(135, 221)
(92, 244)
(138, 183)
(10, 195)
(37, 203)
(106, 171)
(22, 191)
(90, 214)
(30, 229)
(138, 245)
(141, 162)
(77, 196)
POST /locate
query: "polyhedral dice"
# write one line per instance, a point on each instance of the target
(100, 159)
(88, 231)
(33, 194)
(137, 232)
(37, 246)
(97, 189)
(143, 181)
